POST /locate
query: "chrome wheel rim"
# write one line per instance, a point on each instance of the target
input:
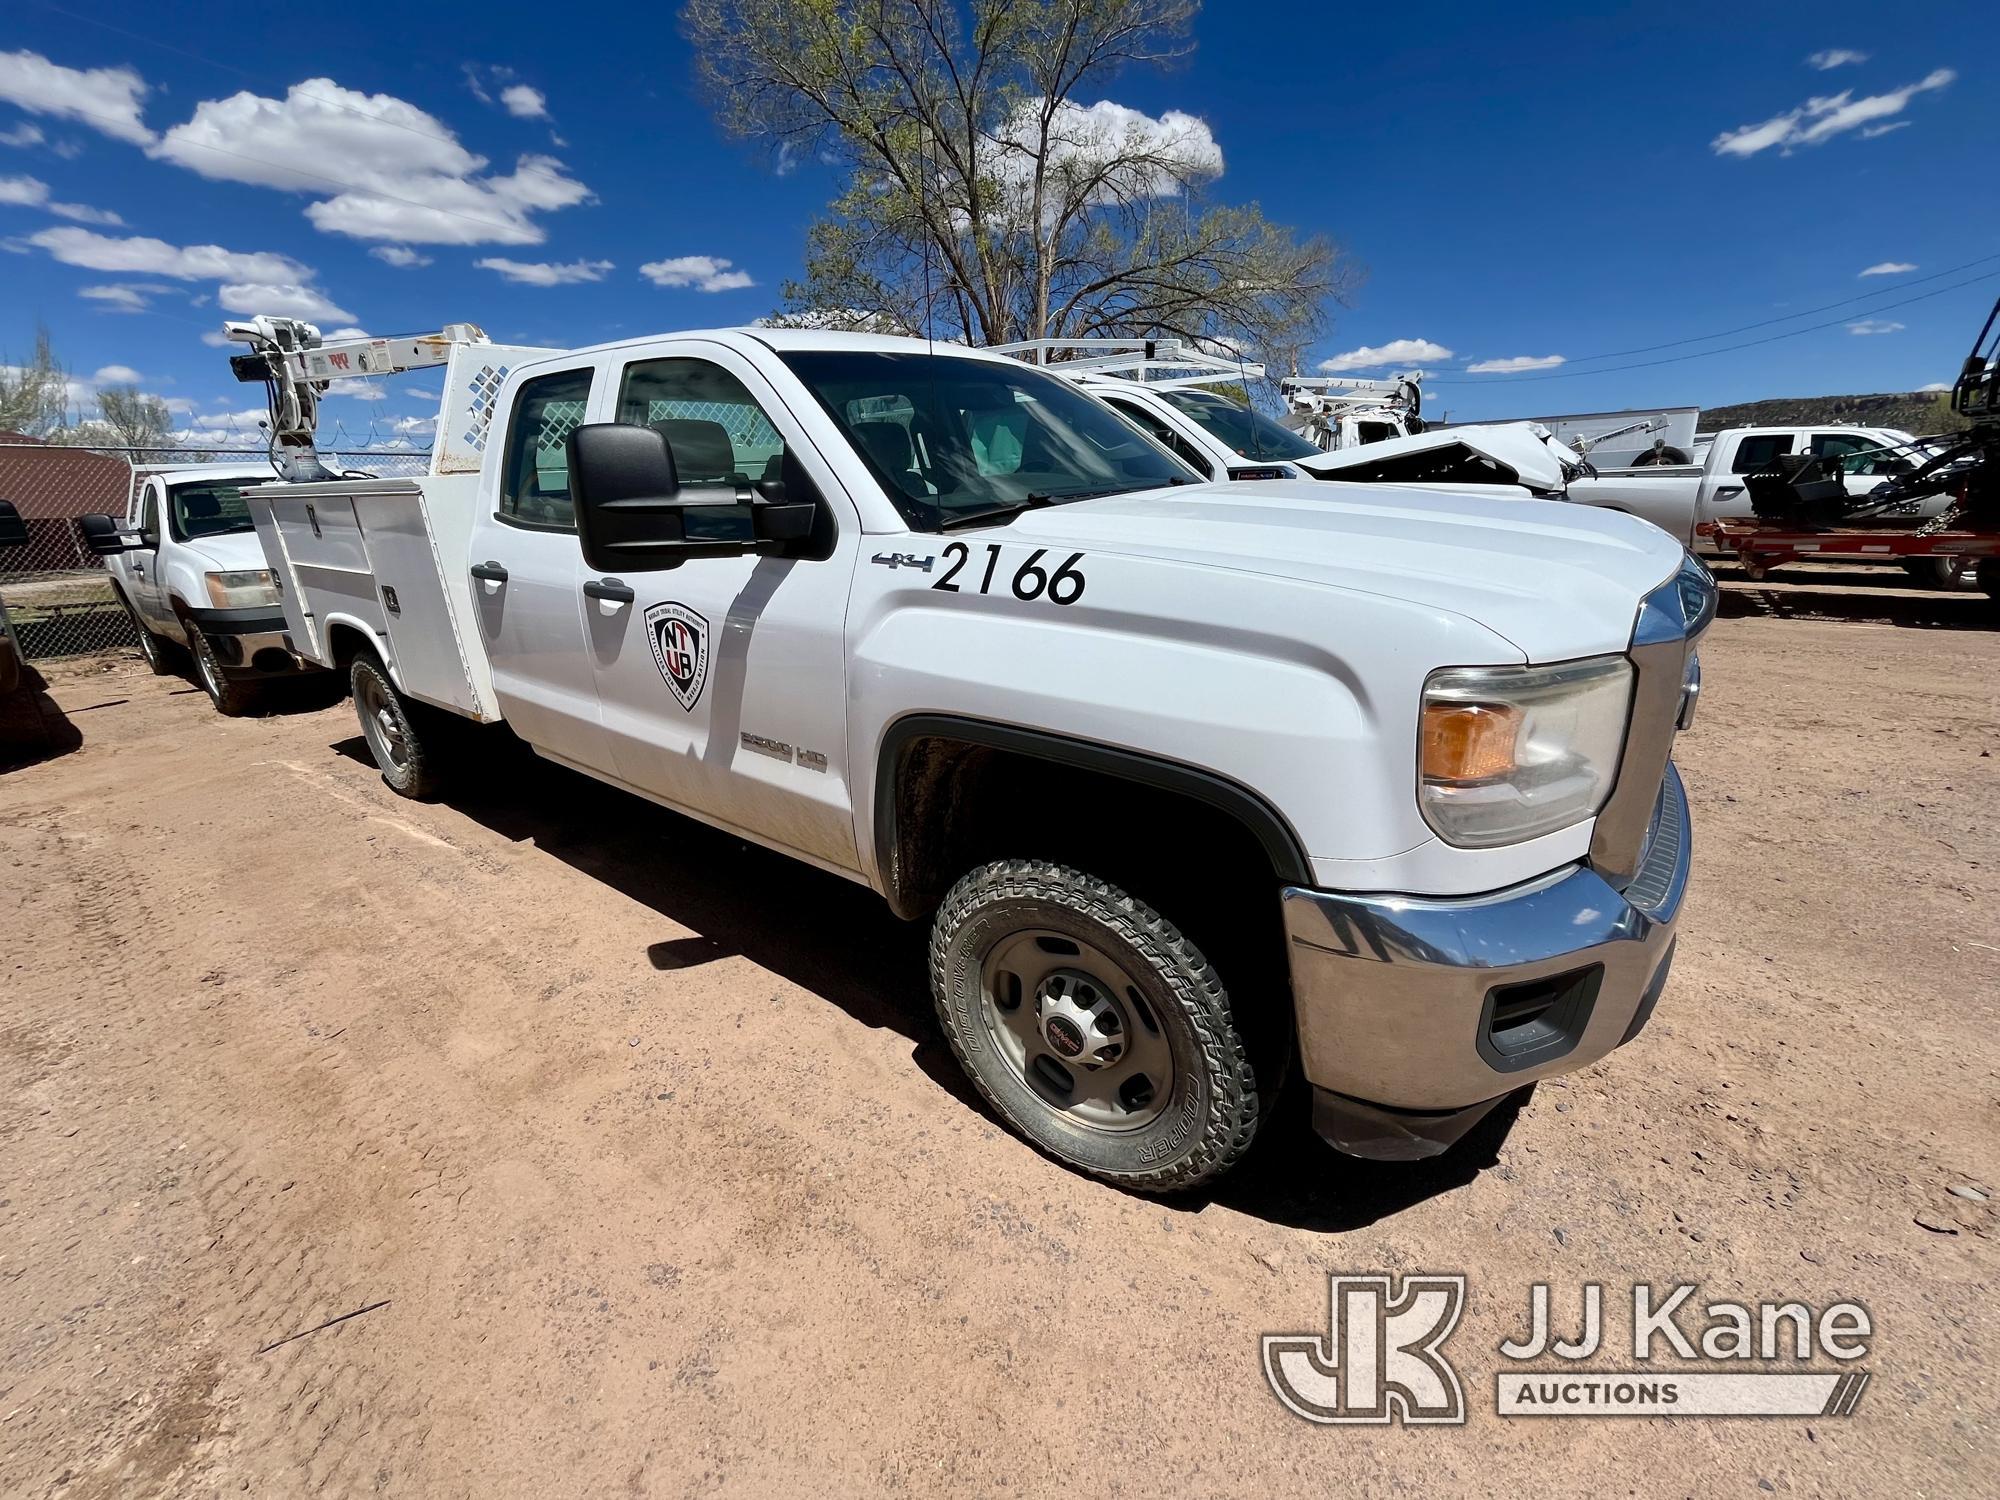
(148, 646)
(1076, 1030)
(204, 655)
(382, 725)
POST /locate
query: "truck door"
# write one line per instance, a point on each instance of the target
(527, 574)
(1723, 494)
(722, 681)
(140, 566)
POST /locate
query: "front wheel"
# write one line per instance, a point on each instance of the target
(232, 699)
(1952, 573)
(390, 727)
(1092, 1026)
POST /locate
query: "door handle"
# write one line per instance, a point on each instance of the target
(491, 572)
(616, 590)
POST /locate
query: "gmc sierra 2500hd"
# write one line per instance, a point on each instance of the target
(1186, 777)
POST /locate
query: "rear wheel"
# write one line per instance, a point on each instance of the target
(1942, 572)
(232, 699)
(389, 722)
(1092, 1026)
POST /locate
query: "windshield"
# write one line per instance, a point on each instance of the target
(951, 439)
(1248, 433)
(209, 507)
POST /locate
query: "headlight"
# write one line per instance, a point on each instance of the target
(241, 590)
(1510, 753)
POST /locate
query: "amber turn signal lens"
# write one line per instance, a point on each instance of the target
(1467, 742)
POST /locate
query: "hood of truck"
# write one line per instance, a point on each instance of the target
(1556, 580)
(227, 552)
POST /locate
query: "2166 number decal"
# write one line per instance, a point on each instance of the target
(1031, 580)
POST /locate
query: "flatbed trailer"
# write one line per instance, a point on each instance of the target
(1762, 547)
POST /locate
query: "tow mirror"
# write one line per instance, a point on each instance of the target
(103, 535)
(13, 530)
(633, 514)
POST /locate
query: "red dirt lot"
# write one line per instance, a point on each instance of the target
(633, 1161)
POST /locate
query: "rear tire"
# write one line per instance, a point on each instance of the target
(391, 725)
(231, 699)
(1950, 573)
(1092, 1026)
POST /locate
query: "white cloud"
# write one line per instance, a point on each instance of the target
(1515, 364)
(27, 133)
(348, 333)
(1889, 268)
(215, 338)
(32, 192)
(542, 273)
(525, 103)
(1395, 352)
(1934, 388)
(106, 99)
(1875, 325)
(151, 257)
(1157, 156)
(1835, 57)
(1874, 131)
(116, 375)
(705, 273)
(400, 256)
(1820, 119)
(359, 390)
(379, 168)
(281, 299)
(123, 296)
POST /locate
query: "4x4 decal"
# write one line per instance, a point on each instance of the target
(680, 649)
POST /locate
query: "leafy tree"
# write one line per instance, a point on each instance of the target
(34, 398)
(985, 201)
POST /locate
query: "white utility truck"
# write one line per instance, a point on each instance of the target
(185, 563)
(1185, 777)
(1187, 400)
(1687, 500)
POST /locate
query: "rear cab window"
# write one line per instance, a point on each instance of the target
(534, 478)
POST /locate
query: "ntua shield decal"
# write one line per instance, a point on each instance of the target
(680, 649)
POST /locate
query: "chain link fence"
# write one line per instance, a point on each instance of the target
(56, 592)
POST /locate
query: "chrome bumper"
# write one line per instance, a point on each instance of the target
(1416, 1015)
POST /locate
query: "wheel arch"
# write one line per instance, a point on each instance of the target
(923, 757)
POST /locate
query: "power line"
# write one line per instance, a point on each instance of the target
(1748, 343)
(254, 77)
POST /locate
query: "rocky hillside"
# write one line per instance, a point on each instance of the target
(1919, 412)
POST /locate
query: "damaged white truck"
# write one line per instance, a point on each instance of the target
(1193, 782)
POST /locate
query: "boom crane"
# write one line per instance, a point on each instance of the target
(296, 366)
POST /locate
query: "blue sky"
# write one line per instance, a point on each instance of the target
(1521, 183)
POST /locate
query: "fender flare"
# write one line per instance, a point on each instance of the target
(1263, 821)
(375, 639)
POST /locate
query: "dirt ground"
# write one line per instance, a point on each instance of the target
(632, 1160)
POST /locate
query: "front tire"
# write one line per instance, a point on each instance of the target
(1950, 573)
(1092, 1026)
(390, 726)
(231, 699)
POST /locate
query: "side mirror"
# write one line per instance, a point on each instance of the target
(102, 535)
(13, 530)
(632, 514)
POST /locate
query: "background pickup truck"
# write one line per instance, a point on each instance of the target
(1187, 779)
(185, 562)
(1682, 499)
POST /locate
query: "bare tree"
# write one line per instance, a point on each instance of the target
(986, 202)
(34, 398)
(135, 420)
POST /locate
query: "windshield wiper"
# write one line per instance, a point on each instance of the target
(1036, 499)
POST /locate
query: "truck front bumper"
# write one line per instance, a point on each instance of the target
(248, 642)
(1417, 1016)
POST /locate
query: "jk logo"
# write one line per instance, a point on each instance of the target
(1379, 1360)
